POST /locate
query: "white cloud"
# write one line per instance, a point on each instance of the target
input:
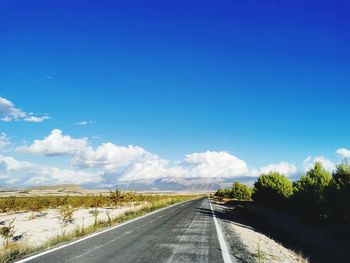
(28, 173)
(126, 163)
(82, 123)
(345, 153)
(9, 112)
(152, 169)
(283, 167)
(214, 164)
(56, 144)
(209, 164)
(109, 156)
(4, 140)
(134, 162)
(310, 161)
(36, 119)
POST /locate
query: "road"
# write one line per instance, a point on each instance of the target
(183, 233)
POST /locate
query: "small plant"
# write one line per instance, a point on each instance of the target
(259, 254)
(109, 221)
(80, 231)
(116, 196)
(95, 214)
(66, 213)
(7, 233)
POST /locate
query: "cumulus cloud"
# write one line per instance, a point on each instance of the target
(27, 173)
(9, 112)
(115, 163)
(310, 161)
(56, 144)
(152, 169)
(134, 162)
(111, 157)
(214, 164)
(283, 167)
(345, 153)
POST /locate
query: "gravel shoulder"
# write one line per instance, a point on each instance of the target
(248, 245)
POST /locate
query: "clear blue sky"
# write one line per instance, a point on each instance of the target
(266, 80)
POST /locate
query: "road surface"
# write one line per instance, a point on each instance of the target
(186, 232)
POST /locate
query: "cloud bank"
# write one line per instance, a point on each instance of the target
(113, 163)
(9, 112)
(108, 163)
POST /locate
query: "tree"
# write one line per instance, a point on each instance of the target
(310, 192)
(272, 189)
(241, 191)
(223, 193)
(339, 194)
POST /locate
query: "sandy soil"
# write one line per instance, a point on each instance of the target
(39, 230)
(261, 247)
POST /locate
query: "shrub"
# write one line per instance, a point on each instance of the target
(66, 213)
(241, 191)
(116, 196)
(223, 193)
(339, 194)
(272, 189)
(7, 233)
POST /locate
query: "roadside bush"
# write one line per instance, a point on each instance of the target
(223, 193)
(7, 233)
(272, 189)
(66, 214)
(241, 191)
(339, 194)
(309, 195)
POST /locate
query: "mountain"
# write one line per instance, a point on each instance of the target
(180, 184)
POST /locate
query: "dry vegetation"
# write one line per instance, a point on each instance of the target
(65, 207)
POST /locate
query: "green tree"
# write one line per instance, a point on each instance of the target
(272, 189)
(223, 193)
(339, 194)
(309, 195)
(241, 191)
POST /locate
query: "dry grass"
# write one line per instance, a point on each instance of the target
(151, 203)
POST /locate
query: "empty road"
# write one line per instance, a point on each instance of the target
(183, 233)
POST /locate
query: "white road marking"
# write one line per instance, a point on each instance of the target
(96, 234)
(224, 250)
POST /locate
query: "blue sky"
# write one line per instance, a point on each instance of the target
(267, 81)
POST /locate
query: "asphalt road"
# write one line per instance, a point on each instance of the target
(183, 233)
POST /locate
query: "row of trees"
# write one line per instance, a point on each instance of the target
(317, 196)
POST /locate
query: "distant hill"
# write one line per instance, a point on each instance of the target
(180, 184)
(65, 187)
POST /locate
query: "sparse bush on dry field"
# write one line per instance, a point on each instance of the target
(66, 205)
(7, 233)
(66, 213)
(38, 203)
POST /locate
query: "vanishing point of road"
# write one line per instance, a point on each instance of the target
(185, 232)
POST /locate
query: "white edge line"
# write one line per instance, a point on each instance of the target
(224, 250)
(97, 233)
